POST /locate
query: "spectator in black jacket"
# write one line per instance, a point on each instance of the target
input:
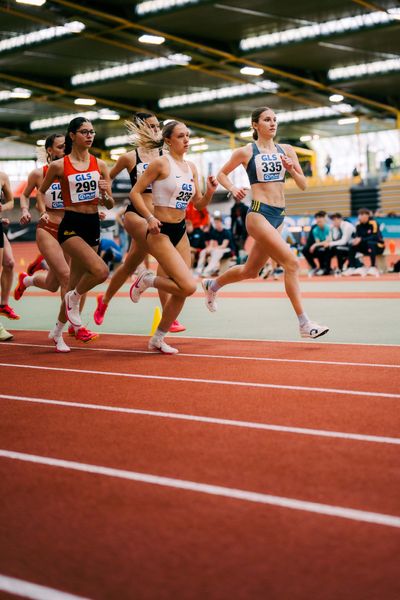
(238, 224)
(368, 240)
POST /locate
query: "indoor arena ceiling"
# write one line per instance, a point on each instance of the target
(308, 51)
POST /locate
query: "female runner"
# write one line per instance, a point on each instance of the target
(135, 162)
(174, 182)
(85, 183)
(265, 163)
(7, 311)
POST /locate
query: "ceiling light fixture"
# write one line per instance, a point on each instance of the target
(21, 93)
(196, 140)
(319, 30)
(116, 140)
(151, 39)
(211, 95)
(305, 114)
(85, 101)
(365, 69)
(31, 2)
(252, 71)
(199, 148)
(133, 68)
(348, 121)
(41, 35)
(154, 6)
(66, 118)
(336, 98)
(40, 142)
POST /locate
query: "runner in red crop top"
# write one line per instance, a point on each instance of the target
(85, 183)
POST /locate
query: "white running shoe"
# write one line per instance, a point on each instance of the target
(313, 330)
(61, 346)
(72, 309)
(139, 285)
(156, 343)
(361, 271)
(210, 299)
(373, 271)
(348, 272)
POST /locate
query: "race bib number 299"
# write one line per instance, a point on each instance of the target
(84, 187)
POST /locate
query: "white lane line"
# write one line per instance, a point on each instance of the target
(247, 384)
(213, 490)
(25, 589)
(218, 356)
(212, 420)
(234, 339)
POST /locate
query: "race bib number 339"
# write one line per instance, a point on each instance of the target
(269, 167)
(84, 187)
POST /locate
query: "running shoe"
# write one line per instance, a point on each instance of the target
(100, 310)
(176, 327)
(139, 285)
(313, 330)
(72, 309)
(373, 271)
(8, 312)
(155, 343)
(61, 346)
(85, 335)
(20, 288)
(35, 265)
(210, 295)
(5, 335)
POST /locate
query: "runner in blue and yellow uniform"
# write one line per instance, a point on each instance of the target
(266, 164)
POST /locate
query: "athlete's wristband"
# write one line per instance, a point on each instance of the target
(148, 219)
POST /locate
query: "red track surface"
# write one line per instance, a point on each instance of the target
(104, 537)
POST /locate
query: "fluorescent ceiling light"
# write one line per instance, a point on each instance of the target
(246, 134)
(40, 142)
(31, 2)
(348, 121)
(199, 148)
(319, 30)
(151, 39)
(85, 101)
(118, 151)
(116, 140)
(66, 118)
(133, 68)
(196, 140)
(305, 114)
(41, 35)
(251, 71)
(336, 98)
(108, 115)
(210, 95)
(154, 6)
(363, 70)
(306, 138)
(15, 93)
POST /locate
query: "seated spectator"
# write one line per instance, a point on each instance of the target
(315, 248)
(197, 239)
(238, 224)
(369, 241)
(219, 246)
(199, 218)
(110, 252)
(340, 240)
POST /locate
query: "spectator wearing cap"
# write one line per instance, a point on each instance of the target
(368, 240)
(340, 239)
(220, 245)
(315, 248)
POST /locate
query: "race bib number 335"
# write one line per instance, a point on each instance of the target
(269, 167)
(84, 187)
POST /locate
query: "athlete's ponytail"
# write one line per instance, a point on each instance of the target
(255, 115)
(140, 134)
(73, 127)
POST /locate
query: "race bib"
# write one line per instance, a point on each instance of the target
(183, 195)
(53, 196)
(140, 169)
(84, 187)
(269, 167)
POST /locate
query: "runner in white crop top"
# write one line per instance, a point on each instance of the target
(174, 182)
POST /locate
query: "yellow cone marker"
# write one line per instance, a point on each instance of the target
(22, 262)
(156, 320)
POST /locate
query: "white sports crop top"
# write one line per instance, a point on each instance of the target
(176, 190)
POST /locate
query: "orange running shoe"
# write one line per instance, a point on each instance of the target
(35, 265)
(8, 312)
(84, 335)
(176, 327)
(100, 310)
(20, 288)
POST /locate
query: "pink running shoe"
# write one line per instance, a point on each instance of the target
(85, 335)
(8, 312)
(20, 288)
(176, 327)
(100, 310)
(35, 265)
